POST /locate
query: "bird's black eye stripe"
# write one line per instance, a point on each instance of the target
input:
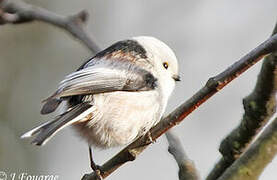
(165, 64)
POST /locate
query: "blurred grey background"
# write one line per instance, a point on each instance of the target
(207, 37)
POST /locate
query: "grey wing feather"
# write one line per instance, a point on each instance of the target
(50, 106)
(106, 76)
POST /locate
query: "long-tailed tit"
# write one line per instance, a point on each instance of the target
(116, 96)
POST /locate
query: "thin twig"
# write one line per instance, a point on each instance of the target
(213, 85)
(259, 107)
(187, 168)
(21, 12)
(252, 163)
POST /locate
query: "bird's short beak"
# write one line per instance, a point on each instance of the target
(176, 77)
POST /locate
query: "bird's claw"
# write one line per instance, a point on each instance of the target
(149, 138)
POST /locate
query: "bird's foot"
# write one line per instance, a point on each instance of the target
(97, 170)
(94, 167)
(98, 174)
(149, 138)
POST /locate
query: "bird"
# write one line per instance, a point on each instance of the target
(114, 97)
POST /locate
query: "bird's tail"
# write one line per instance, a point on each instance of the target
(47, 130)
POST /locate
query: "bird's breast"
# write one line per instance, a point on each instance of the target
(119, 117)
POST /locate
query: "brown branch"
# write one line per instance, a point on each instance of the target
(213, 85)
(187, 168)
(252, 163)
(21, 12)
(259, 107)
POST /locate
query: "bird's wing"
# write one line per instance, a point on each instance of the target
(106, 76)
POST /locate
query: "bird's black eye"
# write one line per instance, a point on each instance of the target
(165, 64)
